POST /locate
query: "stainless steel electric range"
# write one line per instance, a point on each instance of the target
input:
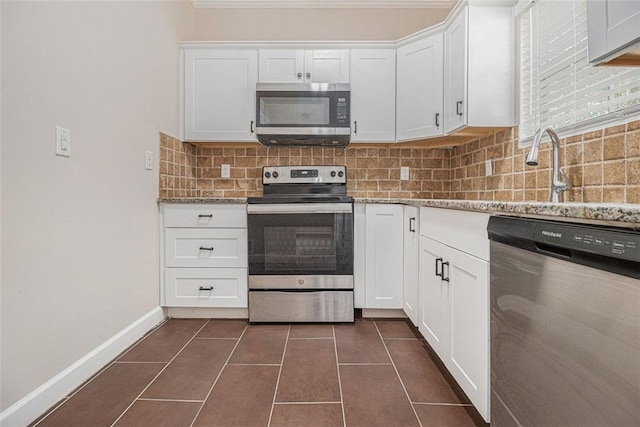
(301, 246)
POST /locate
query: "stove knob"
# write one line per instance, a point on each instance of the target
(267, 174)
(333, 174)
(341, 174)
(275, 174)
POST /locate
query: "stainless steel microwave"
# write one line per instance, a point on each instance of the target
(303, 114)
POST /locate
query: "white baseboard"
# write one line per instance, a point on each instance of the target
(207, 313)
(391, 313)
(30, 407)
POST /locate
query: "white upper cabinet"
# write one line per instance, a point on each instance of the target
(219, 94)
(304, 66)
(373, 95)
(419, 89)
(479, 68)
(613, 27)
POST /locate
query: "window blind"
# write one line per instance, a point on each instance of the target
(558, 87)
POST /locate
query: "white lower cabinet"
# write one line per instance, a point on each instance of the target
(454, 298)
(206, 287)
(383, 256)
(204, 255)
(410, 282)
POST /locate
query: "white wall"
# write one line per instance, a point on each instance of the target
(314, 24)
(80, 234)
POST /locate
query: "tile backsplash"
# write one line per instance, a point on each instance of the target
(603, 166)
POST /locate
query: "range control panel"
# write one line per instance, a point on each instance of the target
(603, 241)
(304, 175)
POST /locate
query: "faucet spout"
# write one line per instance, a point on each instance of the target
(558, 186)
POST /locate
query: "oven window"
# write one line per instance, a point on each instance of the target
(299, 248)
(281, 111)
(303, 244)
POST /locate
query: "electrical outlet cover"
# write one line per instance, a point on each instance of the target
(226, 171)
(404, 173)
(148, 160)
(488, 167)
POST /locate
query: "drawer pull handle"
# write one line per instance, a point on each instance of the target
(205, 216)
(445, 279)
(439, 261)
(412, 225)
(206, 288)
(208, 248)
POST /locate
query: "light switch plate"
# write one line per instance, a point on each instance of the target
(148, 160)
(63, 142)
(404, 173)
(225, 171)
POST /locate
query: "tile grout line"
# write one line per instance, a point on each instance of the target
(307, 403)
(397, 373)
(219, 375)
(275, 392)
(159, 373)
(146, 399)
(101, 371)
(442, 404)
(364, 364)
(335, 349)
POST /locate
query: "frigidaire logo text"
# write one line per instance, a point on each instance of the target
(551, 234)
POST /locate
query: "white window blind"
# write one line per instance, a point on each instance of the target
(558, 87)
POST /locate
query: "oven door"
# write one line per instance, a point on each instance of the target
(302, 241)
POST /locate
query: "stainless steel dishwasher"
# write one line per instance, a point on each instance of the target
(565, 324)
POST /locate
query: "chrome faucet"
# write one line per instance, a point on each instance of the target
(557, 186)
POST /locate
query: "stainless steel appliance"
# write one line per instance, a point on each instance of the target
(565, 324)
(301, 246)
(303, 114)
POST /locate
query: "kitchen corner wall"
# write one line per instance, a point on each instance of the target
(603, 167)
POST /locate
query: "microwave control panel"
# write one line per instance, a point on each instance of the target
(342, 109)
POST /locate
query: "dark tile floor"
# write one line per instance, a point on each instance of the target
(229, 373)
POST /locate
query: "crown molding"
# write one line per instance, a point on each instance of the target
(323, 4)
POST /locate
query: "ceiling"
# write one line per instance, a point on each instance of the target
(323, 4)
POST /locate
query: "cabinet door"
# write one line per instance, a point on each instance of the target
(623, 23)
(410, 259)
(373, 95)
(219, 94)
(383, 262)
(433, 295)
(419, 86)
(455, 73)
(326, 66)
(467, 357)
(281, 66)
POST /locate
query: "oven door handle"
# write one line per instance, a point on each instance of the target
(299, 208)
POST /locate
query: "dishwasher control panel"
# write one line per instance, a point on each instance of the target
(598, 240)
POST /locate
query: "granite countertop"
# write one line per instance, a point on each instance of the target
(625, 215)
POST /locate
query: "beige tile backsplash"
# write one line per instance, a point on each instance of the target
(603, 166)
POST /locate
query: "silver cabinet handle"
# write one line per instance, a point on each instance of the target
(355, 127)
(207, 288)
(299, 75)
(412, 225)
(445, 279)
(437, 120)
(205, 216)
(459, 108)
(251, 127)
(206, 248)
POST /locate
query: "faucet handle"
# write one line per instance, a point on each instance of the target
(564, 183)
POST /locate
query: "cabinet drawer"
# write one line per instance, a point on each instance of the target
(206, 287)
(205, 216)
(206, 248)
